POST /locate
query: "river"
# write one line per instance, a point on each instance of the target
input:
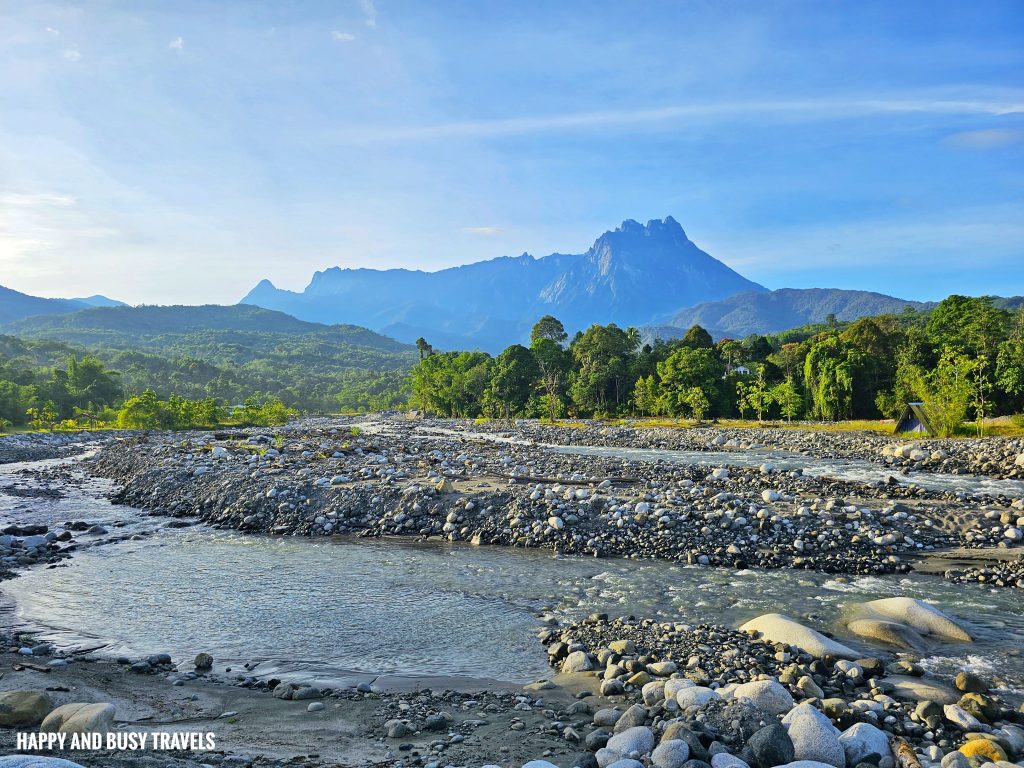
(329, 608)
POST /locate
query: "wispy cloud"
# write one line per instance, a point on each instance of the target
(484, 231)
(52, 31)
(990, 138)
(72, 54)
(177, 44)
(35, 199)
(343, 37)
(369, 12)
(793, 109)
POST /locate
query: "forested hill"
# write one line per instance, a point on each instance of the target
(774, 311)
(223, 352)
(241, 330)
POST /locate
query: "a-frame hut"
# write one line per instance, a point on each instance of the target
(914, 421)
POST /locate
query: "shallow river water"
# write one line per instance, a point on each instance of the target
(329, 607)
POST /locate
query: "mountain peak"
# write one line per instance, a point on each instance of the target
(668, 225)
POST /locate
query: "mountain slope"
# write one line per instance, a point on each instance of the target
(630, 276)
(237, 332)
(15, 305)
(775, 311)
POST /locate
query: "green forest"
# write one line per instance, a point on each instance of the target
(964, 359)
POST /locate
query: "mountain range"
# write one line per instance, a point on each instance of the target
(773, 311)
(630, 276)
(647, 275)
(15, 305)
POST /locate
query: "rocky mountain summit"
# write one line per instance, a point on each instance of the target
(630, 276)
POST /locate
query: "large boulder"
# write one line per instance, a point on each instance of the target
(767, 695)
(637, 739)
(670, 754)
(921, 689)
(697, 696)
(35, 761)
(768, 747)
(23, 709)
(79, 718)
(862, 740)
(814, 737)
(781, 629)
(889, 632)
(918, 615)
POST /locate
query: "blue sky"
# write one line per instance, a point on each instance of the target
(180, 152)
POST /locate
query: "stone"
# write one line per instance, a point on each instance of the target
(960, 718)
(769, 746)
(632, 717)
(626, 762)
(805, 764)
(956, 759)
(862, 740)
(675, 685)
(985, 749)
(35, 761)
(919, 615)
(726, 760)
(203, 662)
(79, 718)
(637, 739)
(814, 737)
(315, 706)
(577, 661)
(888, 632)
(782, 629)
(767, 695)
(670, 754)
(809, 688)
(983, 707)
(697, 696)
(968, 682)
(607, 717)
(23, 709)
(918, 688)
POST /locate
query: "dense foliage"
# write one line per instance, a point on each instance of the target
(227, 353)
(964, 359)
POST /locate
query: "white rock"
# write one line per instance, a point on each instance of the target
(863, 739)
(919, 615)
(79, 718)
(670, 754)
(814, 737)
(697, 696)
(782, 629)
(638, 739)
(768, 695)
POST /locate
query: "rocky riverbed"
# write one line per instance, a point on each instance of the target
(624, 692)
(412, 479)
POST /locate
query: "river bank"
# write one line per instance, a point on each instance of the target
(672, 671)
(449, 481)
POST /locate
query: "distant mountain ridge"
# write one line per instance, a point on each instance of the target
(15, 305)
(774, 311)
(630, 276)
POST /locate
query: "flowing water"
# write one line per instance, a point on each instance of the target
(329, 607)
(856, 470)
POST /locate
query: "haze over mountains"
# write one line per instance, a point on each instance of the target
(647, 275)
(630, 276)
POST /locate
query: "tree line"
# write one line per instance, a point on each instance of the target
(85, 394)
(964, 359)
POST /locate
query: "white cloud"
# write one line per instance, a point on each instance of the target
(792, 109)
(369, 12)
(344, 37)
(72, 54)
(986, 139)
(177, 44)
(52, 31)
(485, 231)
